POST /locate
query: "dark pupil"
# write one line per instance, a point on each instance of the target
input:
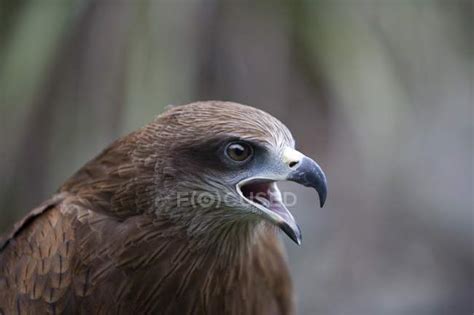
(238, 152)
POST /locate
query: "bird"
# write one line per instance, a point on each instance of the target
(182, 216)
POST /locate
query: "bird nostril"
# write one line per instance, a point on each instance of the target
(293, 164)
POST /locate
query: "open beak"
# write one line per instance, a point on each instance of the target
(263, 193)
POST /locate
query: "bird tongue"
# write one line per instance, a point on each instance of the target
(259, 192)
(268, 195)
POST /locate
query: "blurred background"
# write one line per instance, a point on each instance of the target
(380, 93)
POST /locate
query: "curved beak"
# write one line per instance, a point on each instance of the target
(263, 193)
(308, 173)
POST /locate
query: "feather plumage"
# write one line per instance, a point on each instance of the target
(114, 240)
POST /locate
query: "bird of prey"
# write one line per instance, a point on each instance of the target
(179, 217)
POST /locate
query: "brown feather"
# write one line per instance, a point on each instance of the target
(114, 241)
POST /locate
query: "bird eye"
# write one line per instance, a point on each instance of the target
(239, 151)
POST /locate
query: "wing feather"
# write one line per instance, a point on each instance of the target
(36, 259)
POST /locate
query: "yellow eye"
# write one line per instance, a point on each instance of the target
(239, 151)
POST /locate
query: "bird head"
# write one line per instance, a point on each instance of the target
(203, 166)
(222, 160)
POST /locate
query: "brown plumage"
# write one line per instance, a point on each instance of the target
(130, 232)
